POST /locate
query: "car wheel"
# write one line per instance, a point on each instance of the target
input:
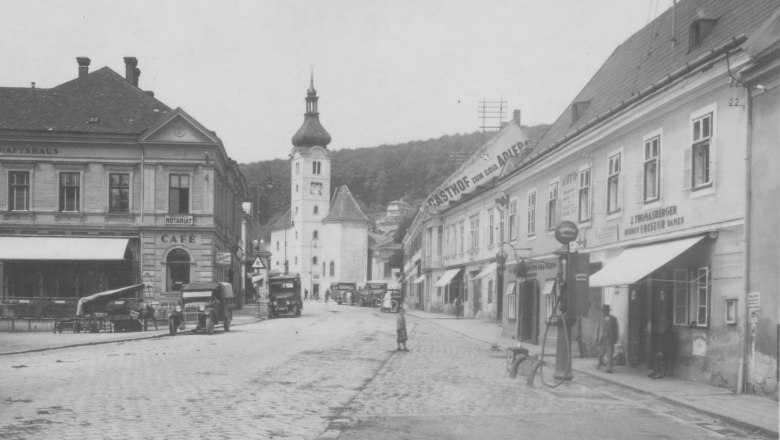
(209, 325)
(172, 328)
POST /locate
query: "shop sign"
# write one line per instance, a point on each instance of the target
(29, 151)
(223, 258)
(754, 301)
(179, 220)
(655, 220)
(566, 232)
(179, 238)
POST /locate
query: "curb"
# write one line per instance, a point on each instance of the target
(84, 344)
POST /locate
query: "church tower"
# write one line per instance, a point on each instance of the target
(309, 195)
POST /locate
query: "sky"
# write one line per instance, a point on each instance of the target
(386, 72)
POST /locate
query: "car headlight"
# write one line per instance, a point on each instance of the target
(202, 307)
(178, 308)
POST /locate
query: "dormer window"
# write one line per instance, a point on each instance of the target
(698, 31)
(578, 109)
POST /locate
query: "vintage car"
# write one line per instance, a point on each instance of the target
(203, 305)
(392, 301)
(343, 292)
(284, 295)
(125, 315)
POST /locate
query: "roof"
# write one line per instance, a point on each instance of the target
(344, 207)
(648, 57)
(283, 222)
(119, 106)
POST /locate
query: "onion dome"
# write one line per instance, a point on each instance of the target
(311, 132)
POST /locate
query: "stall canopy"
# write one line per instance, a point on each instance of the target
(487, 270)
(105, 295)
(62, 248)
(419, 279)
(447, 277)
(634, 264)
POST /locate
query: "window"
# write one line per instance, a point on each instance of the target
(69, 192)
(178, 263)
(316, 167)
(323, 268)
(462, 235)
(501, 220)
(652, 177)
(316, 209)
(18, 190)
(584, 196)
(702, 290)
(332, 268)
(613, 184)
(315, 235)
(297, 168)
(314, 261)
(179, 194)
(491, 225)
(277, 245)
(511, 303)
(387, 272)
(552, 205)
(731, 311)
(549, 297)
(474, 233)
(680, 297)
(701, 173)
(119, 192)
(531, 229)
(512, 220)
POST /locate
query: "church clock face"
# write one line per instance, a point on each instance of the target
(316, 188)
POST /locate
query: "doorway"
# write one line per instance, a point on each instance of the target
(528, 312)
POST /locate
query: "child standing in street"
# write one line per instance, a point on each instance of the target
(400, 329)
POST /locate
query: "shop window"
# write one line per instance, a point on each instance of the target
(179, 194)
(552, 206)
(584, 196)
(613, 184)
(119, 192)
(702, 290)
(178, 263)
(680, 297)
(511, 301)
(652, 176)
(512, 220)
(531, 227)
(70, 194)
(18, 190)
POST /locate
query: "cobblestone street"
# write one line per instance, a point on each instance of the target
(333, 373)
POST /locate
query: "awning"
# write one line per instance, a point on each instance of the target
(487, 270)
(447, 277)
(107, 293)
(257, 278)
(62, 248)
(419, 279)
(634, 264)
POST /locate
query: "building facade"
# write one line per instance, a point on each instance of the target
(649, 161)
(104, 186)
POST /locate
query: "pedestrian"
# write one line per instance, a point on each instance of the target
(400, 330)
(606, 337)
(458, 308)
(305, 294)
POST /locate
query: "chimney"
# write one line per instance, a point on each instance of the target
(516, 117)
(83, 66)
(131, 71)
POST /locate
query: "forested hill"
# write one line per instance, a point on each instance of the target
(376, 175)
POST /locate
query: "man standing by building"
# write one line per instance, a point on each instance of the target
(400, 329)
(606, 337)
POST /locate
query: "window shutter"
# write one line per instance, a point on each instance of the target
(621, 190)
(713, 162)
(687, 169)
(599, 197)
(639, 185)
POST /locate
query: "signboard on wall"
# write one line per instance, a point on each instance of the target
(223, 258)
(754, 301)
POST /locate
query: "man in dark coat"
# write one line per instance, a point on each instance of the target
(400, 330)
(606, 337)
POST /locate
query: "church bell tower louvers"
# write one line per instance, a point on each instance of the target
(309, 195)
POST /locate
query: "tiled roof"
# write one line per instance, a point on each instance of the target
(344, 207)
(120, 107)
(283, 222)
(648, 56)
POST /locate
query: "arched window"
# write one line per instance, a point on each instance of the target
(315, 235)
(314, 260)
(178, 263)
(332, 268)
